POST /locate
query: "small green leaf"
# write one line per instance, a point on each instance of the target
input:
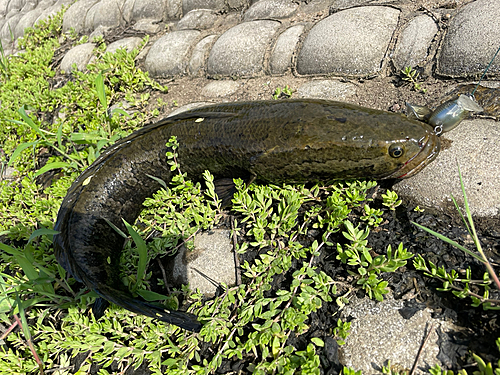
(317, 341)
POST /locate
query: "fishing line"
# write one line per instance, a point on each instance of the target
(488, 67)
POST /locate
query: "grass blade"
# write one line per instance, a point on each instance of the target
(118, 230)
(20, 149)
(159, 180)
(101, 92)
(29, 121)
(41, 232)
(59, 135)
(50, 166)
(25, 264)
(141, 250)
(451, 242)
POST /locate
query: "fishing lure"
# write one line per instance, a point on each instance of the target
(449, 114)
(446, 116)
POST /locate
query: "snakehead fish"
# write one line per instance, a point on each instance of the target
(292, 141)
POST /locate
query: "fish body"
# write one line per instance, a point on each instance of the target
(275, 141)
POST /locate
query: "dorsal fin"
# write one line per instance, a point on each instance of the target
(195, 114)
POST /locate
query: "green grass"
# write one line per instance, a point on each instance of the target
(52, 129)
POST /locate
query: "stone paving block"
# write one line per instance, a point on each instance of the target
(474, 146)
(79, 55)
(28, 20)
(270, 9)
(8, 48)
(345, 4)
(198, 19)
(414, 42)
(99, 32)
(3, 7)
(211, 259)
(168, 56)
(281, 58)
(240, 50)
(189, 5)
(327, 89)
(351, 42)
(10, 26)
(29, 6)
(200, 53)
(147, 25)
(89, 18)
(44, 4)
(152, 9)
(173, 10)
(108, 14)
(76, 14)
(15, 6)
(127, 8)
(471, 41)
(374, 323)
(60, 3)
(220, 88)
(52, 10)
(126, 43)
(237, 4)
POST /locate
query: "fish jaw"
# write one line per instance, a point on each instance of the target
(429, 150)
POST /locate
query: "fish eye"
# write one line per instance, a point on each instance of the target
(396, 150)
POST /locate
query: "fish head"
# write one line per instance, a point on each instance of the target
(419, 153)
(382, 145)
(326, 140)
(399, 148)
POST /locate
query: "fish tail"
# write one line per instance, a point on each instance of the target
(127, 301)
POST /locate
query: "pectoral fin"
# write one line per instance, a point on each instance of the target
(99, 307)
(225, 189)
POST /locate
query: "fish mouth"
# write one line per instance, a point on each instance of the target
(428, 152)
